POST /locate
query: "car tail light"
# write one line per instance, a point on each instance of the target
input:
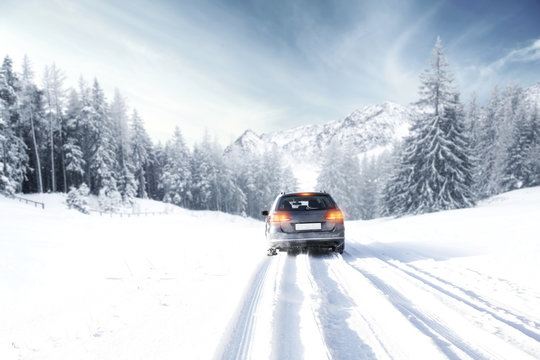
(279, 217)
(334, 215)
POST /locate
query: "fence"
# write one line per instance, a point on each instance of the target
(127, 214)
(26, 201)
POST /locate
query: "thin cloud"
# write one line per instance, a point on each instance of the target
(525, 54)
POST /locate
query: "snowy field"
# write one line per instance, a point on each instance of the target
(197, 285)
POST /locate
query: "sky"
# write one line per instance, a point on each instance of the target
(225, 66)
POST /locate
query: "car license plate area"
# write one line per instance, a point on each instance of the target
(307, 226)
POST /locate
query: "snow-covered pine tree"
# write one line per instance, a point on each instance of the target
(226, 192)
(175, 181)
(394, 197)
(31, 112)
(203, 176)
(78, 198)
(367, 188)
(288, 181)
(486, 182)
(87, 131)
(140, 146)
(532, 156)
(53, 80)
(236, 202)
(13, 150)
(251, 184)
(212, 182)
(503, 123)
(102, 166)
(339, 177)
(154, 171)
(269, 179)
(74, 138)
(515, 172)
(435, 168)
(119, 119)
(472, 126)
(127, 185)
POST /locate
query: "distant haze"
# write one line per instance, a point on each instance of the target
(228, 66)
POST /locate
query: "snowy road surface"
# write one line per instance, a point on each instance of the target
(197, 285)
(365, 305)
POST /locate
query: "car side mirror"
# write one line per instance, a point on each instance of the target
(264, 213)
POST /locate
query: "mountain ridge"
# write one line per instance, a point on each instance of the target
(363, 129)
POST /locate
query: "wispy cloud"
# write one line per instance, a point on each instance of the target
(227, 65)
(527, 53)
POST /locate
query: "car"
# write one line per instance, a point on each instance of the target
(301, 221)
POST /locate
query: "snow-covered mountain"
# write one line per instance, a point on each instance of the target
(364, 129)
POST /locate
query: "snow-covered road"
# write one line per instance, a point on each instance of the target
(367, 305)
(454, 285)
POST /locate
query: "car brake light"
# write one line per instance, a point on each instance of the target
(279, 217)
(334, 215)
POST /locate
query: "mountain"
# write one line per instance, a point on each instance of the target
(365, 129)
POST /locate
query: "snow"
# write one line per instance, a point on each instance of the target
(92, 287)
(306, 173)
(459, 284)
(364, 129)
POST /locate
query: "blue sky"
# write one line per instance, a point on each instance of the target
(269, 65)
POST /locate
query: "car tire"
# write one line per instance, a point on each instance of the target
(340, 248)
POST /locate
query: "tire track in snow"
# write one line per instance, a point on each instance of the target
(334, 311)
(522, 324)
(441, 335)
(238, 344)
(286, 341)
(470, 299)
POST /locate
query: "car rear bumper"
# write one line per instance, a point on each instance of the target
(303, 243)
(307, 239)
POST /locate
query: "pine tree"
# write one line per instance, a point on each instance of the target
(13, 150)
(127, 185)
(203, 176)
(236, 202)
(515, 173)
(510, 110)
(340, 177)
(74, 139)
(532, 156)
(53, 79)
(435, 168)
(140, 147)
(176, 176)
(288, 181)
(154, 171)
(367, 188)
(103, 158)
(486, 183)
(31, 111)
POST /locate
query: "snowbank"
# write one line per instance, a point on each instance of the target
(168, 286)
(81, 286)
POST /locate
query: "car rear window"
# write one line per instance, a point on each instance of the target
(303, 203)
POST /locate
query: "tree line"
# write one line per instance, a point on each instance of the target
(454, 156)
(54, 139)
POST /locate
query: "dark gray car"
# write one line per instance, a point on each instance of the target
(298, 221)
